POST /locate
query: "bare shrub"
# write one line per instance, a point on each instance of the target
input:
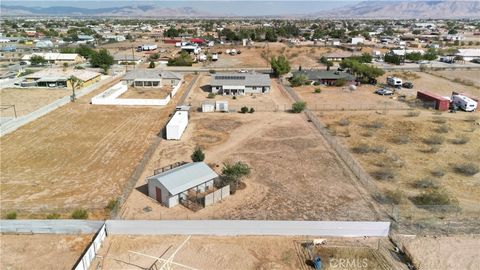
(361, 149)
(434, 197)
(442, 129)
(344, 122)
(426, 183)
(430, 150)
(395, 196)
(438, 172)
(368, 133)
(384, 174)
(399, 139)
(413, 113)
(375, 124)
(467, 169)
(460, 140)
(377, 149)
(439, 120)
(434, 140)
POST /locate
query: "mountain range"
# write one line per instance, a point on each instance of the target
(442, 9)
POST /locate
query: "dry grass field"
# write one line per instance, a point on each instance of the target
(79, 155)
(147, 93)
(252, 252)
(411, 155)
(466, 76)
(41, 251)
(29, 100)
(295, 176)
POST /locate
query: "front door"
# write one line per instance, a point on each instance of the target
(159, 194)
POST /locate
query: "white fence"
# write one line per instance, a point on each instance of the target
(110, 97)
(58, 226)
(84, 262)
(217, 195)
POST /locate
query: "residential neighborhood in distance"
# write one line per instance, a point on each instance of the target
(333, 135)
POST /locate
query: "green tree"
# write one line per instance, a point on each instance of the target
(415, 56)
(85, 51)
(298, 80)
(183, 59)
(232, 174)
(101, 59)
(393, 58)
(171, 32)
(151, 65)
(197, 155)
(37, 60)
(280, 65)
(430, 55)
(299, 106)
(75, 83)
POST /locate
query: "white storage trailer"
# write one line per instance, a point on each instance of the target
(465, 103)
(177, 125)
(394, 81)
(147, 47)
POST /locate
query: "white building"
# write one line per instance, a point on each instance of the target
(177, 125)
(208, 106)
(240, 83)
(469, 54)
(172, 186)
(357, 40)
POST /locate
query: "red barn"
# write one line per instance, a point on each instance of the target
(440, 102)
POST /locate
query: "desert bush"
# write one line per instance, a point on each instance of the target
(12, 215)
(434, 197)
(426, 183)
(460, 140)
(442, 129)
(212, 71)
(344, 122)
(53, 216)
(377, 149)
(340, 82)
(234, 97)
(384, 174)
(244, 109)
(438, 172)
(79, 214)
(413, 113)
(317, 90)
(368, 133)
(361, 149)
(374, 124)
(431, 150)
(394, 196)
(434, 140)
(252, 110)
(299, 106)
(400, 139)
(467, 169)
(211, 95)
(112, 204)
(439, 120)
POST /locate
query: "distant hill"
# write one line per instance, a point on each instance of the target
(124, 11)
(443, 9)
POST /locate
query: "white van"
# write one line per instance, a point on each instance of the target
(465, 103)
(394, 81)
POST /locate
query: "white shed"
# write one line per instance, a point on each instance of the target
(221, 106)
(208, 106)
(177, 125)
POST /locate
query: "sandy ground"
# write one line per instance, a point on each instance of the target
(29, 100)
(294, 175)
(465, 75)
(409, 162)
(79, 156)
(147, 93)
(41, 251)
(209, 252)
(444, 252)
(274, 100)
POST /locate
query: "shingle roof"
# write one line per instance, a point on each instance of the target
(325, 75)
(184, 177)
(238, 78)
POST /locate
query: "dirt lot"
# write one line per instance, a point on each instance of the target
(209, 252)
(274, 100)
(404, 150)
(147, 93)
(41, 251)
(442, 253)
(29, 100)
(467, 76)
(294, 175)
(80, 155)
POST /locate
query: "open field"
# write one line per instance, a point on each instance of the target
(411, 155)
(79, 155)
(467, 76)
(274, 100)
(253, 252)
(148, 93)
(41, 251)
(295, 176)
(444, 252)
(29, 100)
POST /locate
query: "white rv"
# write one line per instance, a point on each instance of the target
(465, 103)
(177, 125)
(394, 81)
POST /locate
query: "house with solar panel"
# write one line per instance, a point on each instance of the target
(240, 83)
(190, 183)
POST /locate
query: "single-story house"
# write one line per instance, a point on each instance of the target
(172, 186)
(152, 78)
(82, 39)
(56, 77)
(240, 83)
(117, 38)
(326, 77)
(57, 58)
(127, 58)
(356, 40)
(44, 44)
(404, 52)
(469, 54)
(340, 55)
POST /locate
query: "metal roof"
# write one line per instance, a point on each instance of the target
(238, 78)
(184, 177)
(150, 74)
(325, 75)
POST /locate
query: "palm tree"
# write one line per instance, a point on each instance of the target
(75, 83)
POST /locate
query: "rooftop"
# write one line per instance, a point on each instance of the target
(151, 74)
(59, 73)
(247, 79)
(325, 75)
(184, 177)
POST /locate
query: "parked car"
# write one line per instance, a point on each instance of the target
(408, 85)
(384, 92)
(476, 61)
(423, 62)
